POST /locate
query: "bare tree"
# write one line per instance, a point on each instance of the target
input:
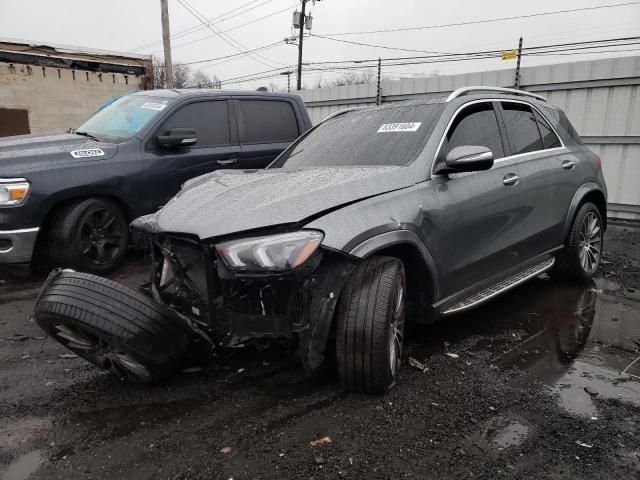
(158, 73)
(353, 79)
(181, 76)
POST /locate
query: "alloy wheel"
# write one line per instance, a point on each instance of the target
(396, 327)
(590, 243)
(101, 353)
(101, 236)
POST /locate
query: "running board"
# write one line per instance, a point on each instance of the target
(508, 283)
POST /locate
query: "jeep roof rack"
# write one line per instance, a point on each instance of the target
(512, 91)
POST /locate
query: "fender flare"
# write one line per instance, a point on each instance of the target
(400, 237)
(584, 190)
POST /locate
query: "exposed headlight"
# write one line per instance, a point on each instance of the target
(274, 252)
(13, 192)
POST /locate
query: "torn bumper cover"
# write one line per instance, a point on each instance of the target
(234, 308)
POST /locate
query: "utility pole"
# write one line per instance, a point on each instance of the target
(166, 41)
(300, 37)
(517, 79)
(379, 97)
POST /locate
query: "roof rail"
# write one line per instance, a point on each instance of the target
(341, 112)
(461, 91)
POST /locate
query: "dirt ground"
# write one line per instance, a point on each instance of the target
(539, 383)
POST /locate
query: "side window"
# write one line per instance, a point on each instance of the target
(209, 119)
(475, 125)
(268, 121)
(522, 128)
(549, 137)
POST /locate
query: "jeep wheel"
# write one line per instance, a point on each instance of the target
(581, 257)
(90, 235)
(112, 326)
(370, 330)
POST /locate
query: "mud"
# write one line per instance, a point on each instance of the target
(543, 384)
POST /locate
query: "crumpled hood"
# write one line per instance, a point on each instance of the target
(229, 201)
(22, 154)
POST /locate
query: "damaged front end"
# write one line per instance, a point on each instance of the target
(283, 286)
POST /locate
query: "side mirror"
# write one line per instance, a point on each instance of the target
(177, 137)
(471, 158)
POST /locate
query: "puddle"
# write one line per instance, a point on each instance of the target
(23, 466)
(507, 433)
(581, 340)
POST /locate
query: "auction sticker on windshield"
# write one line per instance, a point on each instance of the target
(400, 127)
(153, 106)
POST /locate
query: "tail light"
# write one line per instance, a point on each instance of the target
(599, 162)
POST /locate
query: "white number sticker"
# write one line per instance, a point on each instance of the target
(153, 106)
(93, 152)
(400, 127)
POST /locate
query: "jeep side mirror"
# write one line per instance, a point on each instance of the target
(468, 158)
(177, 138)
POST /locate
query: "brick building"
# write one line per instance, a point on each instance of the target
(51, 88)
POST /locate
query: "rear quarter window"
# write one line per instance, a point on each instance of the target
(267, 121)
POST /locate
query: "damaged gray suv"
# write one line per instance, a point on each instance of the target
(413, 210)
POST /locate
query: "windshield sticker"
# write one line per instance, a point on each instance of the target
(93, 152)
(153, 106)
(400, 127)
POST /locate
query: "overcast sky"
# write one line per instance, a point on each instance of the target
(126, 25)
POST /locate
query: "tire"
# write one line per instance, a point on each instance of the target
(580, 259)
(112, 326)
(370, 328)
(89, 235)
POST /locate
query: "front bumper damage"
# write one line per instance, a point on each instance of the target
(233, 309)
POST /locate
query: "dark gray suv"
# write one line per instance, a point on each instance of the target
(419, 210)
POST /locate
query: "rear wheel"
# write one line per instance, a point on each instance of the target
(370, 330)
(112, 326)
(581, 257)
(89, 235)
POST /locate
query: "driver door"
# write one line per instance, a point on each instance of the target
(216, 147)
(484, 211)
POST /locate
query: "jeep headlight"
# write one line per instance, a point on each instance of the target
(279, 252)
(13, 192)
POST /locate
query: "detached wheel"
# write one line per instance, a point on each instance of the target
(370, 330)
(89, 235)
(581, 258)
(112, 326)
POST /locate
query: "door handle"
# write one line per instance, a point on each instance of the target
(510, 179)
(227, 161)
(569, 164)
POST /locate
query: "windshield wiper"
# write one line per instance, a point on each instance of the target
(88, 135)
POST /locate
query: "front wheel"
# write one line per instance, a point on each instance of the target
(581, 257)
(370, 330)
(90, 235)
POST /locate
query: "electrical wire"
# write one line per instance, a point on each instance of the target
(225, 37)
(489, 20)
(195, 28)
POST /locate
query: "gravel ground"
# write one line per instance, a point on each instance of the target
(527, 386)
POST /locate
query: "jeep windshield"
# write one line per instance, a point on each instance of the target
(124, 118)
(391, 135)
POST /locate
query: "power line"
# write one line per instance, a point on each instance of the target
(195, 28)
(233, 28)
(490, 20)
(339, 65)
(229, 40)
(372, 45)
(233, 55)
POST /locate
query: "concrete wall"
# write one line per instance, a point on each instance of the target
(600, 97)
(59, 98)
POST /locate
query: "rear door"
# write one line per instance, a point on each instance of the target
(265, 128)
(217, 147)
(550, 174)
(483, 212)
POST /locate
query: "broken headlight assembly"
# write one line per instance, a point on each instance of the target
(280, 252)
